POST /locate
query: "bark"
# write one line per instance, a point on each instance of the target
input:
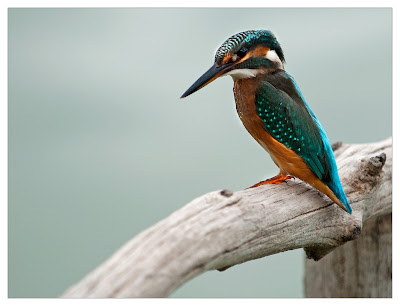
(360, 268)
(224, 228)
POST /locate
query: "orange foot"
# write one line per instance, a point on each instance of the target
(278, 179)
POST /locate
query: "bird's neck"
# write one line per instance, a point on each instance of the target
(244, 91)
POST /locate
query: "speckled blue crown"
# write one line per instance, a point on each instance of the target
(249, 39)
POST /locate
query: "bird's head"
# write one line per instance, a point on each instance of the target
(243, 55)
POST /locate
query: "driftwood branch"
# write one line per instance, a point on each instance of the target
(223, 228)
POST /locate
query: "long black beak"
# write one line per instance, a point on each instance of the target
(213, 73)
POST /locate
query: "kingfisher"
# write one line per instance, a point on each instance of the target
(275, 113)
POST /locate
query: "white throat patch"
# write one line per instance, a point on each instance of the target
(238, 74)
(273, 57)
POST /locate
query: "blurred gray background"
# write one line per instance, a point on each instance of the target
(101, 147)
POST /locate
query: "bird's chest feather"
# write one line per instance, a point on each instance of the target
(245, 93)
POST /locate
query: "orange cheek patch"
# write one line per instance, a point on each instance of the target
(260, 51)
(226, 59)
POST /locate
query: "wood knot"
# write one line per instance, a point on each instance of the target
(226, 193)
(371, 172)
(354, 233)
(375, 164)
(336, 145)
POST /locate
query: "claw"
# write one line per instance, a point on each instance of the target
(278, 179)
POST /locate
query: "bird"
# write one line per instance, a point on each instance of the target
(273, 110)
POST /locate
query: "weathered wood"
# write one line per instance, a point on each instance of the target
(360, 268)
(223, 228)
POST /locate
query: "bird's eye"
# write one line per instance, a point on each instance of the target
(242, 52)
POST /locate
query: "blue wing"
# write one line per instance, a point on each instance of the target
(287, 117)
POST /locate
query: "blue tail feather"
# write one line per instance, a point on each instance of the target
(337, 189)
(334, 182)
